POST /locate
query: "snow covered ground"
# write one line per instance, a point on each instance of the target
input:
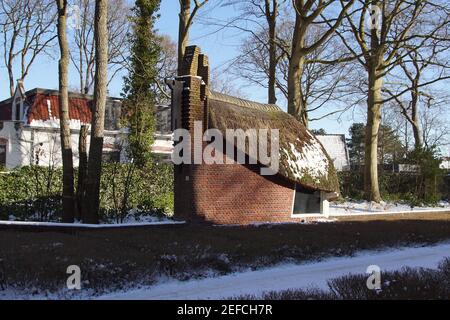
(126, 223)
(366, 207)
(290, 276)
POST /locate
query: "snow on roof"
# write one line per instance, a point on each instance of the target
(302, 158)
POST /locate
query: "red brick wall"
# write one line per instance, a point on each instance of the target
(238, 194)
(231, 194)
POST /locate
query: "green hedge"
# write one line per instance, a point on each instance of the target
(31, 193)
(34, 193)
(396, 187)
(149, 190)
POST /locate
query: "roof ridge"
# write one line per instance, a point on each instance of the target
(214, 95)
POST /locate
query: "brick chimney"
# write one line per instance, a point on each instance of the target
(190, 104)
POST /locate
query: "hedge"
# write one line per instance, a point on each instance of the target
(397, 187)
(33, 193)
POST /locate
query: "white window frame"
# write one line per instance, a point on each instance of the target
(324, 207)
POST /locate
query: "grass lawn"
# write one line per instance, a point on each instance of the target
(116, 258)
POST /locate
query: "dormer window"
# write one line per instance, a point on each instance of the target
(17, 109)
(3, 144)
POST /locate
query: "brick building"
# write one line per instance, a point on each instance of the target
(238, 193)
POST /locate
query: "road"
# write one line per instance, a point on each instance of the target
(288, 276)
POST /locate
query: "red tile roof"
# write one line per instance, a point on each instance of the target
(79, 108)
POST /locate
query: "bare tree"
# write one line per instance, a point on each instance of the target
(425, 64)
(82, 54)
(92, 194)
(435, 126)
(378, 50)
(307, 15)
(64, 119)
(186, 19)
(253, 64)
(263, 36)
(28, 30)
(324, 79)
(223, 83)
(166, 66)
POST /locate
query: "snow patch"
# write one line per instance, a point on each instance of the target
(288, 276)
(93, 226)
(310, 160)
(366, 207)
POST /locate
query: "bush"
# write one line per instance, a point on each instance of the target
(31, 193)
(34, 193)
(125, 187)
(398, 187)
(430, 179)
(407, 283)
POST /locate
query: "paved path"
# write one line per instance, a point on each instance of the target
(289, 276)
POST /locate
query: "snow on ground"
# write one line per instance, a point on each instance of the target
(288, 276)
(127, 223)
(366, 207)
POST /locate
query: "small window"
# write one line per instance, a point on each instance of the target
(2, 154)
(306, 201)
(17, 111)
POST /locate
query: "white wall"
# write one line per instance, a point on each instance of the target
(27, 143)
(337, 150)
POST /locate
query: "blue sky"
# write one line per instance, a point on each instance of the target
(221, 47)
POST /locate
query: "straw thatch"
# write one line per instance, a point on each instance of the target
(302, 158)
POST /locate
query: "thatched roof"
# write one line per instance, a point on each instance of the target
(302, 158)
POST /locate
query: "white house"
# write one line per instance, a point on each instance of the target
(336, 148)
(29, 128)
(445, 164)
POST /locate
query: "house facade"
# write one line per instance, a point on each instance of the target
(336, 148)
(237, 193)
(29, 128)
(445, 164)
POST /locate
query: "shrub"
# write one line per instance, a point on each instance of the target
(31, 193)
(34, 193)
(427, 184)
(148, 190)
(398, 187)
(407, 283)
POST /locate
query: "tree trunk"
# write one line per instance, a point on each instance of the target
(9, 65)
(296, 105)
(98, 115)
(11, 81)
(183, 31)
(271, 16)
(64, 120)
(82, 170)
(371, 188)
(415, 117)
